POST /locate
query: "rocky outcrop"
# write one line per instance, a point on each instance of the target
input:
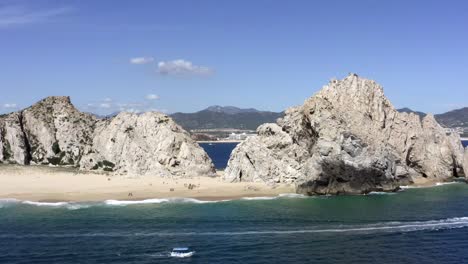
(13, 144)
(54, 132)
(150, 143)
(465, 162)
(347, 138)
(57, 133)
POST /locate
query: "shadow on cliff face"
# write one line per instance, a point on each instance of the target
(337, 177)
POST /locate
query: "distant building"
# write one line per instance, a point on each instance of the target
(457, 130)
(240, 136)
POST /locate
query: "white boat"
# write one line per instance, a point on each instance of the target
(182, 252)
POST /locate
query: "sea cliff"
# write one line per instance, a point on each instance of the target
(54, 132)
(348, 138)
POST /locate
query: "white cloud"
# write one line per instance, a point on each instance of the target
(141, 60)
(152, 97)
(105, 105)
(10, 105)
(18, 15)
(108, 106)
(182, 67)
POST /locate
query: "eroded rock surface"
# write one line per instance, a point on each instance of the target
(465, 162)
(54, 132)
(150, 143)
(348, 138)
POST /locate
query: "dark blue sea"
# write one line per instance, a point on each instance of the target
(416, 225)
(219, 153)
(465, 143)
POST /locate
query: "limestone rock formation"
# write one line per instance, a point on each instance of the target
(465, 162)
(13, 146)
(150, 143)
(54, 132)
(348, 138)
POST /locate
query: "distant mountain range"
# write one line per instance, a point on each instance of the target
(217, 116)
(225, 117)
(454, 118)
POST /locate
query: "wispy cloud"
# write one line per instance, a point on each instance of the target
(10, 105)
(182, 68)
(141, 60)
(12, 15)
(105, 105)
(109, 106)
(152, 97)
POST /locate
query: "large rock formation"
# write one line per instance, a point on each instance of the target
(465, 162)
(348, 138)
(150, 143)
(54, 132)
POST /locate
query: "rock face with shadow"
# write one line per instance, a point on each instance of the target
(54, 132)
(465, 162)
(348, 138)
(149, 143)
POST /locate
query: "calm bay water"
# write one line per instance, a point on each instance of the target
(219, 153)
(421, 225)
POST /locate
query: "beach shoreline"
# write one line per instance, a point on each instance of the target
(59, 184)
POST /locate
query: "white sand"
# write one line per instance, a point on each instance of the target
(42, 183)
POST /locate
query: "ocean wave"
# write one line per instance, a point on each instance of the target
(446, 183)
(292, 195)
(429, 186)
(381, 227)
(55, 204)
(158, 201)
(381, 193)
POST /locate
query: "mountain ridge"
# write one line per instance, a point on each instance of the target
(233, 117)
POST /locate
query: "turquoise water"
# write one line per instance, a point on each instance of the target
(425, 225)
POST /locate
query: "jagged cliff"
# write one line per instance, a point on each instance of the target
(348, 138)
(54, 132)
(465, 162)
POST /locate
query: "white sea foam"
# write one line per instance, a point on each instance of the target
(122, 203)
(381, 193)
(292, 195)
(445, 183)
(429, 186)
(158, 201)
(259, 198)
(382, 227)
(56, 204)
(67, 205)
(197, 201)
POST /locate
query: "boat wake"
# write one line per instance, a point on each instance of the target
(375, 228)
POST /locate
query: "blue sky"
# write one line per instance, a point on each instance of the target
(186, 55)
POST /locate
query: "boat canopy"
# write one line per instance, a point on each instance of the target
(180, 249)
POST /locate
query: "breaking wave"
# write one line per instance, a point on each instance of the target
(157, 201)
(381, 227)
(429, 186)
(80, 205)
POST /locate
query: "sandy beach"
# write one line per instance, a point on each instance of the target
(44, 184)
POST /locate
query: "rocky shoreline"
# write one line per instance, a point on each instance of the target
(54, 132)
(346, 139)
